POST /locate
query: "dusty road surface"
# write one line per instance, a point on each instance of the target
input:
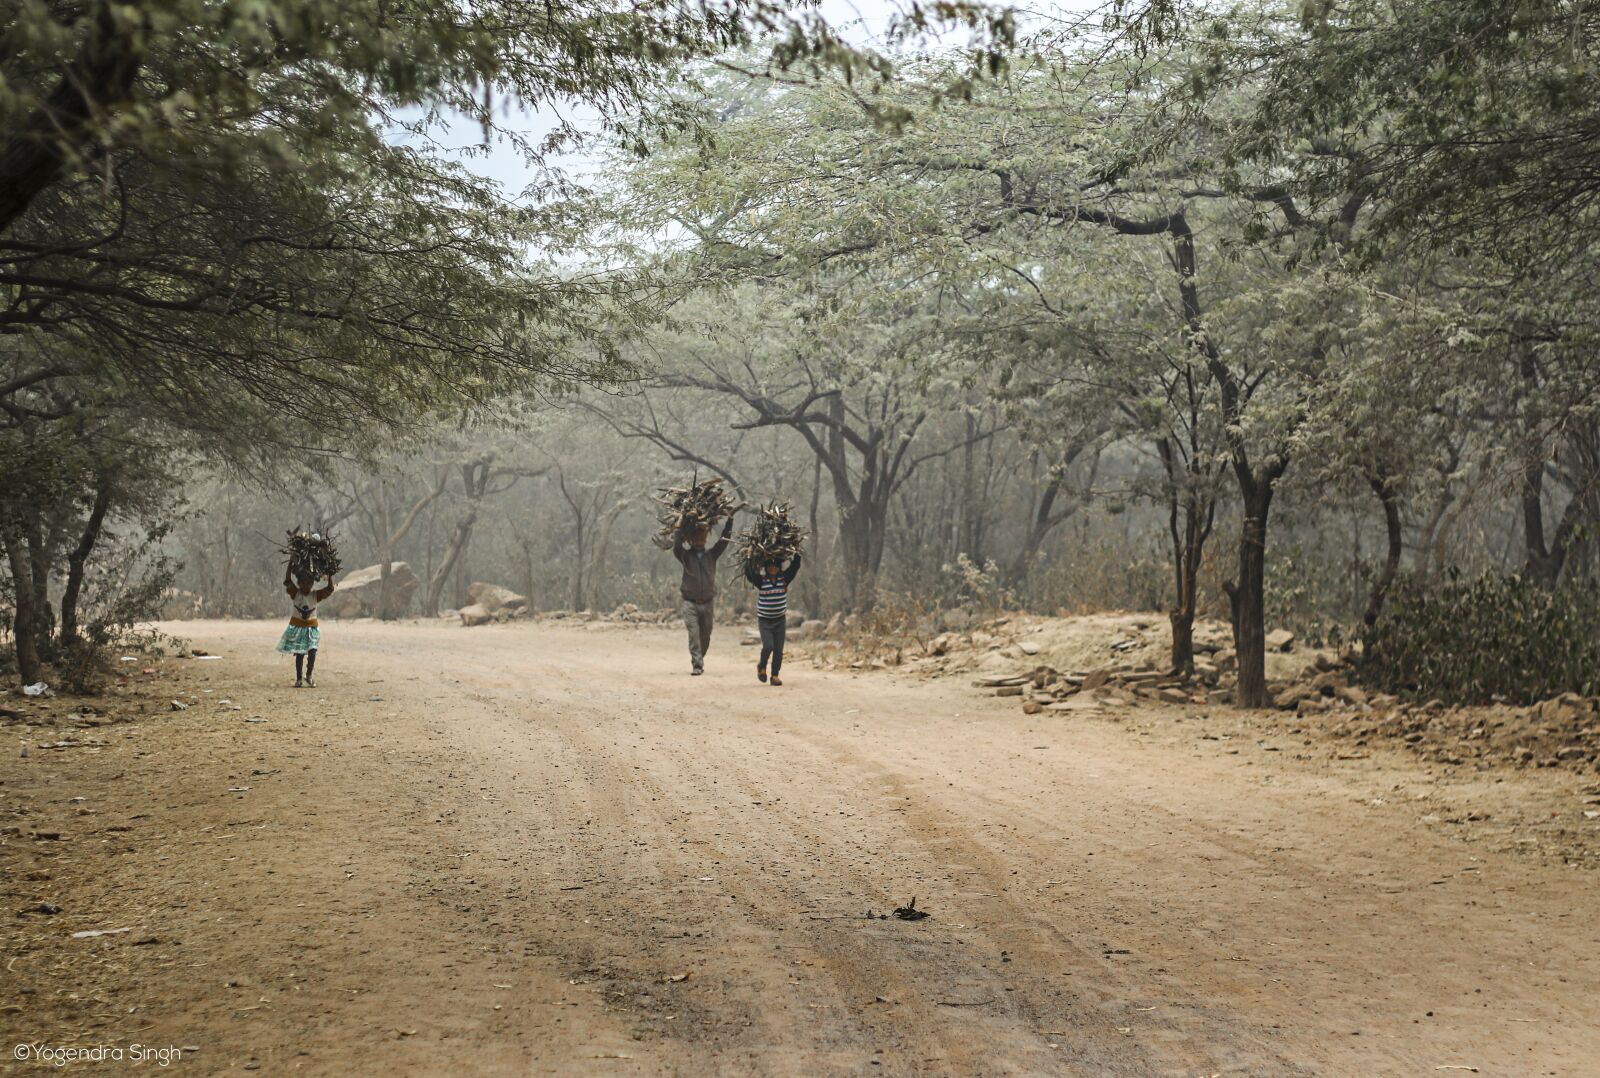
(545, 849)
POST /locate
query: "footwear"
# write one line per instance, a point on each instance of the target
(697, 671)
(310, 684)
(299, 682)
(761, 673)
(776, 680)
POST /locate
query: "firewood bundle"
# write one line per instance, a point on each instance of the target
(774, 537)
(310, 554)
(685, 509)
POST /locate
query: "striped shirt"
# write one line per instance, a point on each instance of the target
(772, 592)
(772, 597)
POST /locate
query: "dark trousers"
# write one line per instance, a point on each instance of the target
(697, 620)
(773, 631)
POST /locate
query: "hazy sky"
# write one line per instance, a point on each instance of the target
(861, 21)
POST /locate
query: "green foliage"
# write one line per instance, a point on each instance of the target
(1493, 638)
(979, 586)
(1314, 593)
(124, 594)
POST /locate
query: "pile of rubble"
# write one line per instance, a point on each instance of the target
(632, 615)
(1048, 689)
(517, 609)
(1323, 685)
(1563, 732)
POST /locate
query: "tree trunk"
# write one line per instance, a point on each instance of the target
(392, 538)
(1191, 511)
(1186, 558)
(602, 553)
(1383, 486)
(458, 543)
(526, 546)
(40, 544)
(861, 535)
(1182, 619)
(968, 538)
(385, 550)
(853, 551)
(385, 569)
(79, 558)
(577, 565)
(1038, 529)
(812, 576)
(1248, 596)
(1540, 563)
(24, 641)
(474, 481)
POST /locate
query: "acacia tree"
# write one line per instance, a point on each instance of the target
(374, 497)
(967, 198)
(1364, 94)
(204, 213)
(67, 488)
(856, 388)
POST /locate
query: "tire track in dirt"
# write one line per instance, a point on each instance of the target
(1076, 1027)
(522, 834)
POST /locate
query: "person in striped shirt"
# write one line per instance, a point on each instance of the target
(772, 611)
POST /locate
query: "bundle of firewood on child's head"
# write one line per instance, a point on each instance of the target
(774, 538)
(685, 510)
(310, 555)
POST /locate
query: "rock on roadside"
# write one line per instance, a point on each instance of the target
(357, 595)
(493, 598)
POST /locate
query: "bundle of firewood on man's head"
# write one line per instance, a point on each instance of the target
(773, 539)
(686, 510)
(310, 554)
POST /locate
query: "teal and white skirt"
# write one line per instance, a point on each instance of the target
(298, 639)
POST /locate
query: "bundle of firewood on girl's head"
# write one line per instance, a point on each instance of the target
(310, 557)
(772, 541)
(691, 512)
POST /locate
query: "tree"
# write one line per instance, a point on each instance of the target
(967, 198)
(855, 388)
(66, 486)
(374, 500)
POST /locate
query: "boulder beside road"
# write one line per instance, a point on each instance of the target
(357, 594)
(493, 598)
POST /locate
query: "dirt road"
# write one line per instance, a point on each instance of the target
(546, 849)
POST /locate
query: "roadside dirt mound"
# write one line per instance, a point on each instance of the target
(1563, 733)
(1133, 641)
(1103, 662)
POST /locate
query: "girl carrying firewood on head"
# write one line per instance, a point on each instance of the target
(309, 557)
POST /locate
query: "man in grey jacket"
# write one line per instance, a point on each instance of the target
(699, 588)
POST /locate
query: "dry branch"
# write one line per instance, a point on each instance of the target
(774, 537)
(310, 554)
(684, 510)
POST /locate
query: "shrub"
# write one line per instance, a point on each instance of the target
(1494, 638)
(120, 596)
